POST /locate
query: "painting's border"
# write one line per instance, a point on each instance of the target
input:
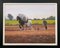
(55, 44)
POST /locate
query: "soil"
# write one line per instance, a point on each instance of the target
(37, 34)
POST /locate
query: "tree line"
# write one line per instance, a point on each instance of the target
(10, 17)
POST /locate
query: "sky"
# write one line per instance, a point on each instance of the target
(30, 10)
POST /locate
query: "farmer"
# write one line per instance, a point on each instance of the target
(22, 20)
(45, 24)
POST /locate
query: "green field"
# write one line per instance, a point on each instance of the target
(14, 22)
(41, 21)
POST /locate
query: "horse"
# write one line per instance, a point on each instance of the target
(22, 22)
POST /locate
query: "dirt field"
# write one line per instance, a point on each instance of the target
(13, 34)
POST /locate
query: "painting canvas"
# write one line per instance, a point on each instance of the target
(29, 23)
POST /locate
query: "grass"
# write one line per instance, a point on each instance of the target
(14, 22)
(11, 22)
(41, 21)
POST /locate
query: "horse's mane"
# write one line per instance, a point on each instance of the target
(20, 19)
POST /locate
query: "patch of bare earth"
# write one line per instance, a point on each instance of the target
(14, 35)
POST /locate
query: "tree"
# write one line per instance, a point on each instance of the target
(38, 18)
(51, 18)
(10, 17)
(35, 19)
(43, 18)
